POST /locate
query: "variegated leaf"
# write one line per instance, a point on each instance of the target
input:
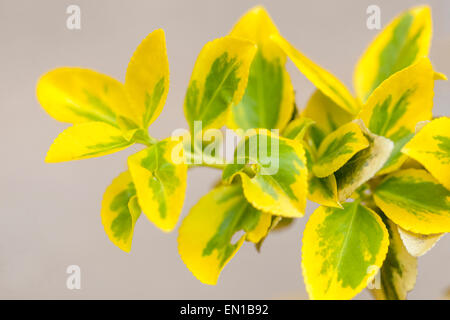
(402, 42)
(147, 81)
(431, 147)
(218, 80)
(338, 147)
(398, 274)
(320, 190)
(269, 97)
(205, 240)
(326, 82)
(418, 244)
(397, 105)
(273, 173)
(342, 250)
(120, 211)
(327, 115)
(415, 201)
(363, 165)
(160, 182)
(297, 128)
(76, 95)
(86, 140)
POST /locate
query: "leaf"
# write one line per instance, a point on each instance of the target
(76, 95)
(120, 211)
(440, 76)
(415, 201)
(321, 190)
(339, 147)
(268, 101)
(273, 172)
(363, 165)
(314, 137)
(262, 228)
(342, 249)
(160, 182)
(397, 158)
(410, 163)
(404, 41)
(257, 26)
(86, 140)
(206, 235)
(401, 101)
(431, 147)
(397, 105)
(218, 80)
(147, 80)
(399, 271)
(297, 128)
(276, 224)
(418, 244)
(327, 115)
(330, 86)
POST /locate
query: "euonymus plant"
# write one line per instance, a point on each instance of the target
(376, 162)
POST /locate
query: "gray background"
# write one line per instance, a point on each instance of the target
(50, 212)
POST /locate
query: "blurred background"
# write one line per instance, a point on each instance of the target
(50, 213)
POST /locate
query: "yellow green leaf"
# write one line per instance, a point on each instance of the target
(257, 26)
(397, 158)
(418, 244)
(402, 42)
(273, 173)
(440, 76)
(327, 115)
(297, 128)
(339, 147)
(86, 140)
(160, 182)
(410, 163)
(431, 147)
(326, 82)
(277, 224)
(218, 80)
(320, 190)
(342, 250)
(120, 211)
(268, 101)
(205, 240)
(415, 201)
(147, 80)
(363, 165)
(262, 228)
(323, 191)
(399, 271)
(397, 105)
(76, 95)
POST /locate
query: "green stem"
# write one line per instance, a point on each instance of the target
(212, 165)
(142, 136)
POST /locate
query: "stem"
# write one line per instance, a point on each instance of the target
(208, 165)
(152, 140)
(142, 136)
